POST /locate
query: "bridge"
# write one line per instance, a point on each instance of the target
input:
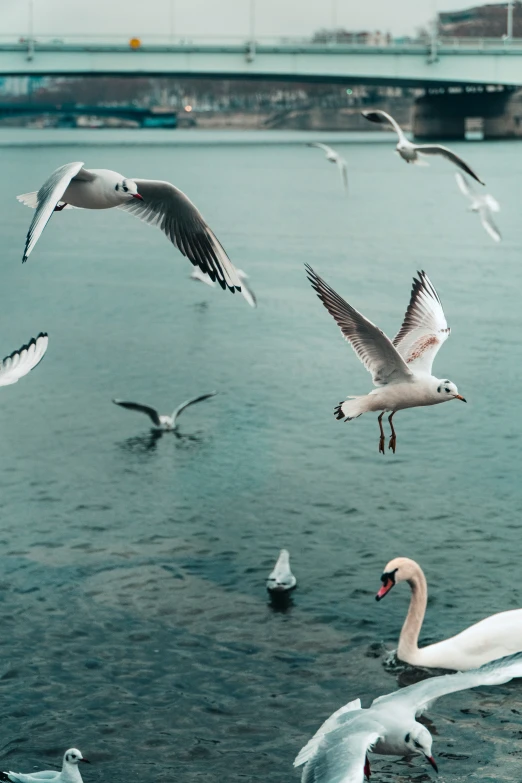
(418, 63)
(463, 78)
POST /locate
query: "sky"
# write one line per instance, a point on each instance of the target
(127, 18)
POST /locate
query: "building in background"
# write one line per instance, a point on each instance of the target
(482, 21)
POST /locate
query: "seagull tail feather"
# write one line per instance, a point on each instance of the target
(350, 409)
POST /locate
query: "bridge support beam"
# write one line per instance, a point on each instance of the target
(431, 123)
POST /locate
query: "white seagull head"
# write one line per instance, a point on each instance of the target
(73, 756)
(419, 740)
(128, 189)
(447, 391)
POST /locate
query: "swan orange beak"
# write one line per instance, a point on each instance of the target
(433, 763)
(460, 397)
(387, 586)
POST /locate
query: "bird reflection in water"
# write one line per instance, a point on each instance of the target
(147, 444)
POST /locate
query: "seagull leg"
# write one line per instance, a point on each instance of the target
(367, 770)
(393, 439)
(59, 207)
(381, 439)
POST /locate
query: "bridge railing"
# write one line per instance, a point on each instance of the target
(343, 41)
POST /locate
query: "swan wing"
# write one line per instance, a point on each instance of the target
(424, 328)
(419, 696)
(371, 345)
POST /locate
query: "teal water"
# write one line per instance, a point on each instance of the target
(135, 620)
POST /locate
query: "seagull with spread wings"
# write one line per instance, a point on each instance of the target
(334, 157)
(153, 201)
(160, 421)
(22, 361)
(410, 152)
(247, 292)
(483, 205)
(338, 750)
(401, 370)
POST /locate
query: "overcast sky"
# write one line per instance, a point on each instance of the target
(217, 17)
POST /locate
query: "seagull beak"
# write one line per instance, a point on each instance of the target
(460, 397)
(433, 763)
(137, 195)
(86, 761)
(387, 586)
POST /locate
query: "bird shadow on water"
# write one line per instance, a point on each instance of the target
(280, 602)
(148, 444)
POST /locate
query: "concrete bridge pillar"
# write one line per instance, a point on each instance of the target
(443, 114)
(431, 121)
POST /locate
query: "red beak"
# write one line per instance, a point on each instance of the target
(384, 589)
(433, 763)
(137, 195)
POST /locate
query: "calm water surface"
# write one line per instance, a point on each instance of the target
(135, 624)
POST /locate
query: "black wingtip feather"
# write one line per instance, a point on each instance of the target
(338, 412)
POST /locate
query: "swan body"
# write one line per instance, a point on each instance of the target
(491, 638)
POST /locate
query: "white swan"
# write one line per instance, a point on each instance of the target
(281, 580)
(487, 640)
(410, 152)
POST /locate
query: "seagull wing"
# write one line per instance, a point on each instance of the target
(48, 197)
(324, 147)
(343, 169)
(419, 696)
(377, 115)
(487, 221)
(371, 345)
(438, 149)
(464, 186)
(152, 413)
(197, 274)
(246, 291)
(187, 403)
(173, 212)
(424, 328)
(336, 754)
(20, 362)
(492, 202)
(21, 777)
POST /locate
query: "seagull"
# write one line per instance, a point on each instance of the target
(281, 580)
(153, 201)
(167, 423)
(247, 292)
(20, 362)
(490, 639)
(69, 772)
(410, 152)
(401, 370)
(334, 157)
(338, 750)
(484, 205)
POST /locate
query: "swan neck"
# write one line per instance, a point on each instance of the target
(408, 642)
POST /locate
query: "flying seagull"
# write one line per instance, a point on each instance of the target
(484, 205)
(338, 750)
(410, 152)
(401, 370)
(69, 772)
(281, 580)
(247, 292)
(153, 201)
(167, 423)
(20, 362)
(334, 157)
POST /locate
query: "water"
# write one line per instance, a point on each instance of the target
(135, 621)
